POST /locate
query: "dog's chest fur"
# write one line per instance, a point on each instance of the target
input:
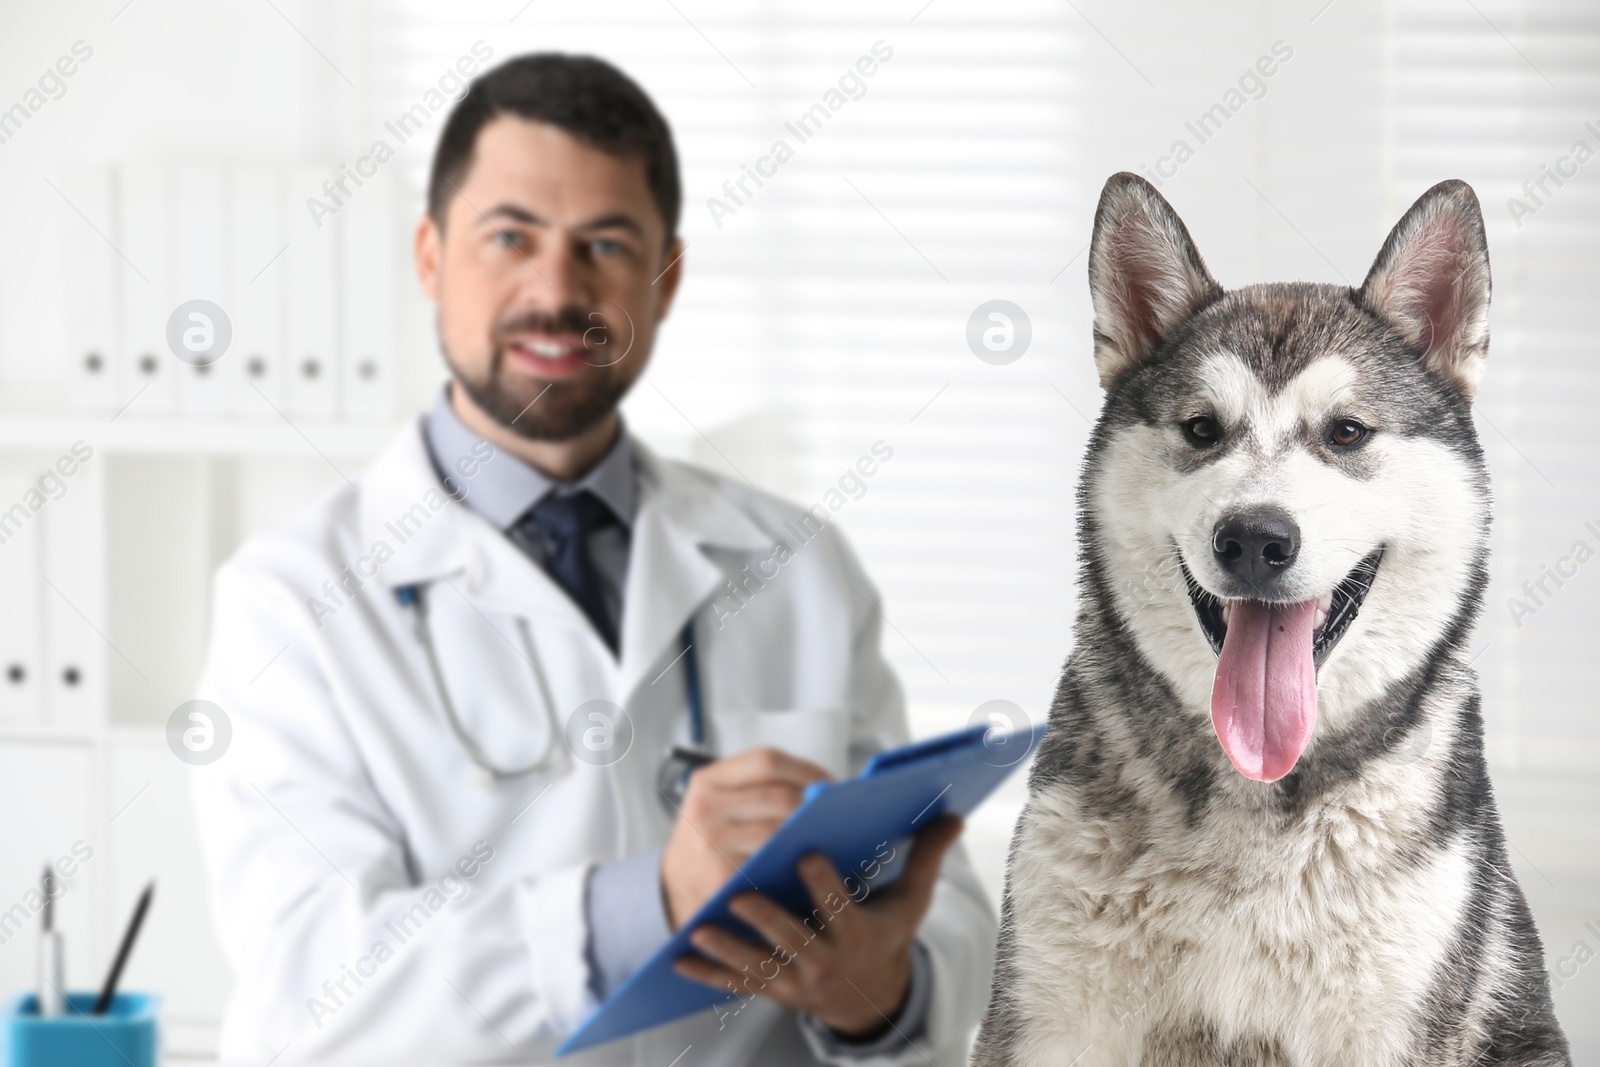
(1309, 944)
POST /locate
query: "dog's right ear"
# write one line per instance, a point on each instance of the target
(1431, 282)
(1144, 274)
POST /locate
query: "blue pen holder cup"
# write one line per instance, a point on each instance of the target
(125, 1036)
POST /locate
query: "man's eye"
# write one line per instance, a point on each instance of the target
(606, 246)
(1202, 431)
(508, 239)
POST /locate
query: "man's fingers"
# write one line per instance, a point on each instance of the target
(928, 849)
(760, 766)
(731, 951)
(742, 984)
(766, 800)
(829, 894)
(712, 974)
(771, 922)
(738, 841)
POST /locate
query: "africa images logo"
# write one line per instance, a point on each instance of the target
(199, 732)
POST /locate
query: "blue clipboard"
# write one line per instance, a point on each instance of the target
(897, 793)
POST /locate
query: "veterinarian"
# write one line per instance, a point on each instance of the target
(466, 690)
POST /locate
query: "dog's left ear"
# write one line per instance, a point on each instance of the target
(1431, 282)
(1145, 275)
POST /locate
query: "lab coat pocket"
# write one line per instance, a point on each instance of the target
(821, 735)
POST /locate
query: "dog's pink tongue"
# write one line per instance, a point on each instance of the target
(1264, 699)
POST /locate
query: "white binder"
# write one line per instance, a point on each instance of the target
(368, 234)
(74, 606)
(20, 586)
(253, 367)
(88, 235)
(145, 275)
(199, 212)
(311, 383)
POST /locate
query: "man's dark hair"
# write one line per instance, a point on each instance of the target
(587, 97)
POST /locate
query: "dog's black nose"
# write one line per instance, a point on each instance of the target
(1256, 545)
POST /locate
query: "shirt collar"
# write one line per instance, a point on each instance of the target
(503, 489)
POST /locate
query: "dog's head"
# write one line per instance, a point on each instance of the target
(1285, 502)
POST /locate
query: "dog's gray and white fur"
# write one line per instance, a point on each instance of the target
(1162, 908)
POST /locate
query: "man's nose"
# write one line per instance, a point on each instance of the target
(1256, 544)
(559, 276)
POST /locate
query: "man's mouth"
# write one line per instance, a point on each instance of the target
(550, 356)
(1264, 695)
(1334, 613)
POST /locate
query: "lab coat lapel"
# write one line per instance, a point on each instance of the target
(669, 573)
(434, 537)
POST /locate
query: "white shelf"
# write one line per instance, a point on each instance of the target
(12, 731)
(237, 437)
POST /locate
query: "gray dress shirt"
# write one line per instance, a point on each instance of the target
(626, 916)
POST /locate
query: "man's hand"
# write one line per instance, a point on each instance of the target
(848, 962)
(730, 809)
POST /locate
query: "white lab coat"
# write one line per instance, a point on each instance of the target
(344, 817)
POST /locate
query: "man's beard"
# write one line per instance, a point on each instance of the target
(554, 411)
(550, 411)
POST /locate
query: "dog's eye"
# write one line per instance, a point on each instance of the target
(1202, 431)
(1347, 433)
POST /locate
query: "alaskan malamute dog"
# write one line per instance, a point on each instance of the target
(1260, 830)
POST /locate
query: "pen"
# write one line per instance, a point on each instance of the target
(50, 979)
(692, 756)
(109, 990)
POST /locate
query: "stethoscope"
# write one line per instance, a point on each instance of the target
(679, 762)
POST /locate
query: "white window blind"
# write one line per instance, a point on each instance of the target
(1500, 96)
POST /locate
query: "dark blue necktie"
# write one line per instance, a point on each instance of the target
(562, 525)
